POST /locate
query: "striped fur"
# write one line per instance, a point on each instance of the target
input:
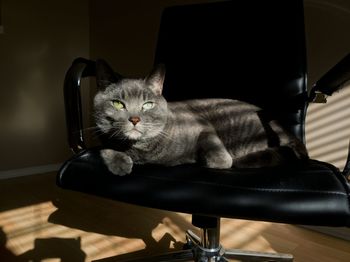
(217, 133)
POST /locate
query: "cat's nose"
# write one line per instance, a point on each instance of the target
(134, 120)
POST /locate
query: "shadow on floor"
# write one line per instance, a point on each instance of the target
(112, 218)
(5, 254)
(65, 249)
(87, 213)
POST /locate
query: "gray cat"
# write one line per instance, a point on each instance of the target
(140, 126)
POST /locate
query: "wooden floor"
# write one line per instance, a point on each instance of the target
(40, 222)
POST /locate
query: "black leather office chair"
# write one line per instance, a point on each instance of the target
(248, 50)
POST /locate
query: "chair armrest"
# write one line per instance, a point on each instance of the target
(333, 80)
(79, 69)
(346, 170)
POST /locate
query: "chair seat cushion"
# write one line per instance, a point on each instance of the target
(312, 193)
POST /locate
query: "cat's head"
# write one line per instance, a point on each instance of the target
(131, 109)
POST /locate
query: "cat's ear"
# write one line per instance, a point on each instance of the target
(105, 75)
(155, 79)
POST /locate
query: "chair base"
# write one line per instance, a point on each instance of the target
(195, 250)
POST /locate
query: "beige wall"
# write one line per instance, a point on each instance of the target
(328, 40)
(41, 39)
(327, 33)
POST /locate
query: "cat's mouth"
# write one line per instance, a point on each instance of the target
(134, 133)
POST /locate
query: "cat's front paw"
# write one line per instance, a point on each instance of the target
(220, 160)
(118, 163)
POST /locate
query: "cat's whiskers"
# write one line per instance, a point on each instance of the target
(115, 133)
(162, 133)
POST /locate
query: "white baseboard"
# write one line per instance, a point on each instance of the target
(29, 171)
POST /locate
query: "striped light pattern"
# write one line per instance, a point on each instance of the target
(328, 129)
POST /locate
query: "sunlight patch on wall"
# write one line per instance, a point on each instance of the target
(328, 129)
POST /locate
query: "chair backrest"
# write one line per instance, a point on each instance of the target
(249, 50)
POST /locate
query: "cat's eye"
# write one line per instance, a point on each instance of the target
(118, 105)
(148, 105)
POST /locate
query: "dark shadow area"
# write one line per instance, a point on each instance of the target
(113, 218)
(162, 246)
(66, 249)
(5, 254)
(30, 191)
(88, 213)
